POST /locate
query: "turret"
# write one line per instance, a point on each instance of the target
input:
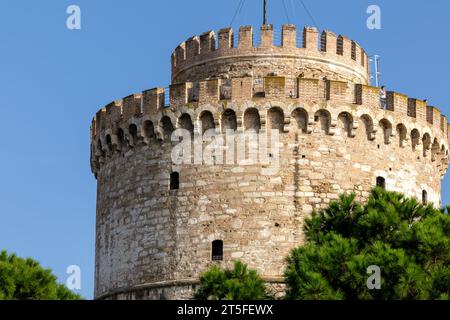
(257, 52)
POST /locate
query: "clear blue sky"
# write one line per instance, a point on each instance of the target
(53, 80)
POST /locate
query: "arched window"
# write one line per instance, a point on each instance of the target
(120, 137)
(217, 250)
(207, 121)
(381, 182)
(185, 122)
(301, 117)
(386, 129)
(401, 131)
(434, 150)
(229, 121)
(426, 144)
(276, 119)
(424, 197)
(346, 123)
(252, 120)
(323, 119)
(109, 142)
(132, 129)
(415, 139)
(167, 127)
(174, 181)
(368, 126)
(149, 130)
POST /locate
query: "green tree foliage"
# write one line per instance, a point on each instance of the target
(446, 210)
(239, 283)
(410, 243)
(25, 279)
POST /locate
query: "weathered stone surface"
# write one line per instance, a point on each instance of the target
(153, 242)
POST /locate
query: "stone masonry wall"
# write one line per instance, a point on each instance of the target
(147, 233)
(153, 242)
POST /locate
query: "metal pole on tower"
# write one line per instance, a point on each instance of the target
(376, 73)
(377, 70)
(265, 13)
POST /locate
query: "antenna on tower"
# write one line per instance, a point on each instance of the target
(377, 73)
(265, 13)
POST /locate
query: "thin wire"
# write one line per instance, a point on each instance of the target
(294, 14)
(309, 13)
(244, 11)
(238, 9)
(285, 11)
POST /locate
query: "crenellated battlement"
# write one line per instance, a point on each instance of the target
(204, 52)
(219, 92)
(169, 207)
(123, 123)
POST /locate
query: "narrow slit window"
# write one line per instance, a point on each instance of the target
(217, 250)
(354, 50)
(424, 197)
(340, 46)
(174, 181)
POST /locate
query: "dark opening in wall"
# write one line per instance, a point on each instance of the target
(207, 121)
(426, 144)
(185, 122)
(276, 119)
(167, 128)
(323, 120)
(424, 197)
(386, 129)
(301, 117)
(252, 120)
(149, 130)
(323, 42)
(401, 132)
(120, 137)
(340, 46)
(346, 123)
(354, 50)
(133, 132)
(368, 126)
(99, 145)
(415, 139)
(174, 181)
(109, 142)
(381, 182)
(217, 250)
(229, 121)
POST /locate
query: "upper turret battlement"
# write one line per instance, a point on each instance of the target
(124, 119)
(329, 93)
(212, 55)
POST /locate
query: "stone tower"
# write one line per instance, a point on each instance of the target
(160, 223)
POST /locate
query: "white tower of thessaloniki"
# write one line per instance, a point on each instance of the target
(160, 223)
